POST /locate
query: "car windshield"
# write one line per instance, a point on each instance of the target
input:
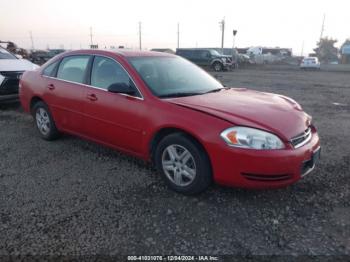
(4, 54)
(174, 76)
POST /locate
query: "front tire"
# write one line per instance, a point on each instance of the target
(44, 121)
(217, 66)
(183, 164)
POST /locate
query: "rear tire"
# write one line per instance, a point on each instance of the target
(183, 164)
(44, 121)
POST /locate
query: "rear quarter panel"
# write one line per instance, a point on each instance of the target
(29, 87)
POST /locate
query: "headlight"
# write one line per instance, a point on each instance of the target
(252, 138)
(1, 78)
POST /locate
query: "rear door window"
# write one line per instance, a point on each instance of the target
(204, 54)
(197, 54)
(73, 68)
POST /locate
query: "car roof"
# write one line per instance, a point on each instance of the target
(120, 52)
(194, 49)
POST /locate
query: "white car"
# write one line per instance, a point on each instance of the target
(11, 69)
(310, 63)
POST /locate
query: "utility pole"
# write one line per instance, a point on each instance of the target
(322, 28)
(302, 49)
(234, 54)
(31, 39)
(91, 43)
(234, 32)
(140, 42)
(178, 35)
(222, 25)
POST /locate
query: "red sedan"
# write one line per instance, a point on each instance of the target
(164, 109)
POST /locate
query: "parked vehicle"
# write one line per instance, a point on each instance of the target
(11, 69)
(244, 60)
(42, 56)
(310, 63)
(164, 109)
(228, 52)
(206, 58)
(165, 50)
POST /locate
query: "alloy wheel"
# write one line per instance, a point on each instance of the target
(179, 165)
(217, 67)
(43, 121)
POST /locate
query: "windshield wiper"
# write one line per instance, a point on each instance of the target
(180, 94)
(214, 90)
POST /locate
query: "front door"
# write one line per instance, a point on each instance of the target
(113, 118)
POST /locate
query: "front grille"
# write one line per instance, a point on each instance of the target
(267, 178)
(307, 167)
(10, 84)
(12, 74)
(301, 139)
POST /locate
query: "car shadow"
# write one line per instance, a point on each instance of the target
(10, 105)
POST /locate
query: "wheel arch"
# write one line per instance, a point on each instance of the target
(33, 101)
(216, 60)
(165, 131)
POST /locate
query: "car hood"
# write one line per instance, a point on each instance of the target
(223, 56)
(16, 65)
(271, 112)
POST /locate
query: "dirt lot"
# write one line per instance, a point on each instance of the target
(75, 197)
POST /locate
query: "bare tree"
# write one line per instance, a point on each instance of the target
(347, 42)
(326, 51)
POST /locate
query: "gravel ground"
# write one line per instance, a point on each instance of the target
(78, 198)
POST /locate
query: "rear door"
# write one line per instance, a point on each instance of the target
(196, 57)
(112, 118)
(65, 91)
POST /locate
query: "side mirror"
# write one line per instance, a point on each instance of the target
(121, 88)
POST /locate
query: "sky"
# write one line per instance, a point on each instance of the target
(292, 24)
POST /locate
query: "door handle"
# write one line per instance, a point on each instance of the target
(92, 97)
(51, 86)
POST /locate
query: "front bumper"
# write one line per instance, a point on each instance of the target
(11, 97)
(228, 65)
(263, 168)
